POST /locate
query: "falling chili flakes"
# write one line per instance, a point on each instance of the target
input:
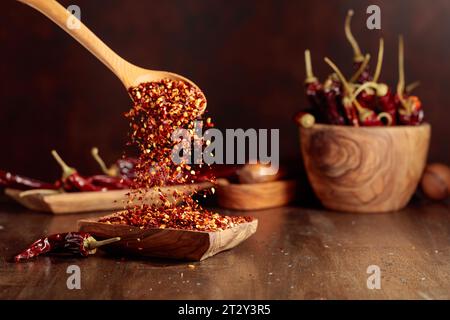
(159, 109)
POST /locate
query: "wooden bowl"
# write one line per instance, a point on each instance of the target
(256, 196)
(366, 169)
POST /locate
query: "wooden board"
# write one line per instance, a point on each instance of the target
(256, 196)
(168, 243)
(64, 203)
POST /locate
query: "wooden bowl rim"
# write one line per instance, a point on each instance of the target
(255, 185)
(137, 229)
(373, 128)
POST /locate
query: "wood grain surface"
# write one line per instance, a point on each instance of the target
(168, 243)
(373, 169)
(297, 253)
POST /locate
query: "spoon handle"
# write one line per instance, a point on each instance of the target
(59, 15)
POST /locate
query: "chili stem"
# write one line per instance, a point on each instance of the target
(347, 89)
(310, 78)
(339, 74)
(94, 152)
(94, 244)
(376, 76)
(401, 73)
(361, 68)
(410, 87)
(381, 89)
(387, 116)
(357, 55)
(67, 171)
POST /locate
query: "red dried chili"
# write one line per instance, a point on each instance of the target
(109, 183)
(333, 97)
(366, 117)
(74, 243)
(322, 98)
(72, 180)
(359, 61)
(350, 111)
(15, 181)
(363, 101)
(124, 167)
(409, 107)
(313, 88)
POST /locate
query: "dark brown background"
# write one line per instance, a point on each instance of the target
(247, 56)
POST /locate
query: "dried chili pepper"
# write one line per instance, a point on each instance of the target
(75, 243)
(359, 63)
(314, 89)
(365, 117)
(367, 98)
(410, 108)
(388, 105)
(385, 102)
(71, 180)
(350, 111)
(125, 167)
(15, 181)
(333, 92)
(109, 182)
(360, 75)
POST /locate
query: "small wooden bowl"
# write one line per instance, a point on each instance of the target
(366, 169)
(256, 196)
(168, 243)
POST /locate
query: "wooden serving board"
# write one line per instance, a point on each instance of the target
(256, 196)
(71, 202)
(168, 243)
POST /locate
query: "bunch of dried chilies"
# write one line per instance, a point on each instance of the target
(361, 100)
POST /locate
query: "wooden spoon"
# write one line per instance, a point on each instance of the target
(128, 73)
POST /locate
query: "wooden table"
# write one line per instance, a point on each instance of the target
(296, 253)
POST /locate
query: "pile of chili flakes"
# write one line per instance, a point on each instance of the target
(160, 108)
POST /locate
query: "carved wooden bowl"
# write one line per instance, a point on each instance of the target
(368, 169)
(168, 243)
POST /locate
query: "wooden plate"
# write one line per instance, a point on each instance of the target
(168, 243)
(64, 203)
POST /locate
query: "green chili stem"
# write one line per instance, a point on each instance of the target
(348, 91)
(401, 74)
(377, 73)
(357, 57)
(67, 171)
(410, 87)
(94, 244)
(361, 69)
(95, 154)
(310, 78)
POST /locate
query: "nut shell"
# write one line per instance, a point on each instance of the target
(436, 181)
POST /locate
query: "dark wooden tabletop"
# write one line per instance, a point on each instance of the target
(296, 253)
